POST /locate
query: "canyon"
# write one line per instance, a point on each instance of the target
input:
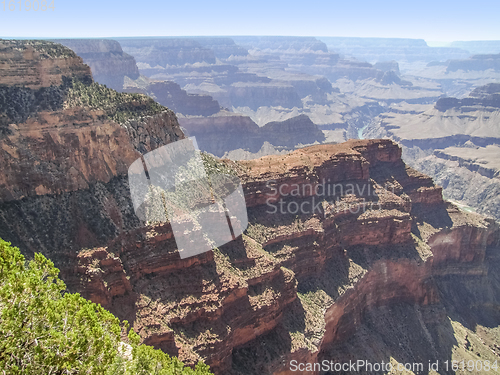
(456, 143)
(275, 79)
(349, 253)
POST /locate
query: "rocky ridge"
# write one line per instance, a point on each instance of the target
(171, 95)
(226, 132)
(109, 64)
(37, 64)
(223, 306)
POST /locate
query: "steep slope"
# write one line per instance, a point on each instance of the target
(287, 281)
(171, 95)
(62, 135)
(109, 64)
(227, 132)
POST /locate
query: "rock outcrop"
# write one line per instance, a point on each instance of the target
(167, 51)
(56, 143)
(291, 132)
(227, 132)
(469, 175)
(387, 66)
(171, 95)
(475, 63)
(391, 77)
(222, 306)
(109, 64)
(37, 64)
(50, 154)
(223, 132)
(485, 98)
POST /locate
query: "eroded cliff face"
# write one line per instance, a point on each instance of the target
(109, 64)
(62, 153)
(349, 254)
(309, 279)
(171, 95)
(456, 142)
(36, 64)
(296, 285)
(302, 285)
(226, 132)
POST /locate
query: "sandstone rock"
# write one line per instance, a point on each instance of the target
(232, 299)
(172, 96)
(167, 51)
(36, 64)
(226, 132)
(109, 64)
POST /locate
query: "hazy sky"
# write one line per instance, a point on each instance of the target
(433, 20)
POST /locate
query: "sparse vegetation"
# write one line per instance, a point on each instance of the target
(17, 104)
(119, 107)
(46, 49)
(257, 231)
(215, 166)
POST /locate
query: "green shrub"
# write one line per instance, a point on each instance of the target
(119, 107)
(46, 331)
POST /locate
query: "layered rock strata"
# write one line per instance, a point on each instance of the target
(37, 64)
(109, 64)
(171, 95)
(227, 132)
(349, 254)
(456, 142)
(221, 306)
